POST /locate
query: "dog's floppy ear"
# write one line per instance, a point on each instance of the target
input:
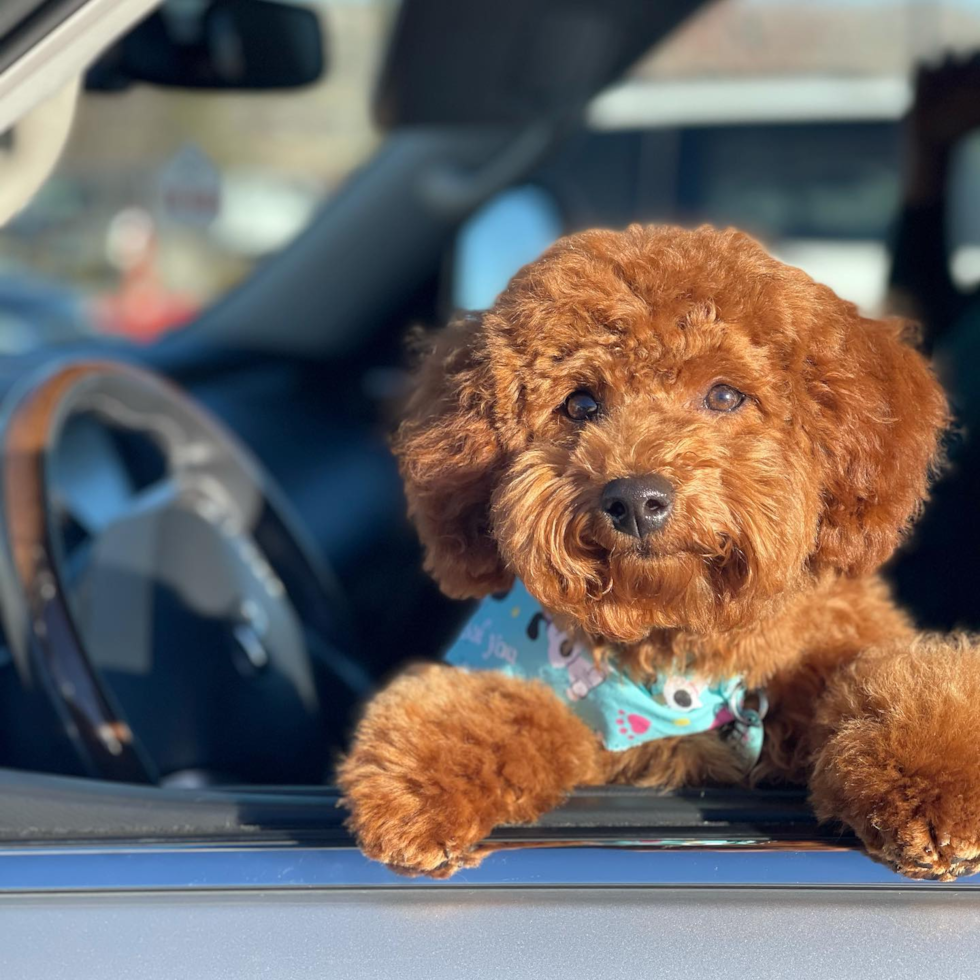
(450, 455)
(880, 415)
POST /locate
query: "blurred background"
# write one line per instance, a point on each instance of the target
(781, 116)
(260, 200)
(165, 198)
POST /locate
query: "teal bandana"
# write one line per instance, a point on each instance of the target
(514, 635)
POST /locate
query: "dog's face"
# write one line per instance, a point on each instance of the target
(665, 428)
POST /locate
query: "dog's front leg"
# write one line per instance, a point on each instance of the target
(443, 756)
(898, 755)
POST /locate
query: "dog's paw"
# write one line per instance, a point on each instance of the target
(918, 815)
(914, 809)
(929, 844)
(900, 763)
(443, 756)
(410, 826)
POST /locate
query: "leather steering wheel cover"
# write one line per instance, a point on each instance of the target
(47, 644)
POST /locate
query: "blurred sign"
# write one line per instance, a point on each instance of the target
(190, 188)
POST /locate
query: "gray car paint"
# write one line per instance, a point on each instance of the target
(510, 932)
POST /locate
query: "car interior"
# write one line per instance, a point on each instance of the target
(206, 565)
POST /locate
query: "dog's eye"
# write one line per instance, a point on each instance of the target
(580, 406)
(723, 398)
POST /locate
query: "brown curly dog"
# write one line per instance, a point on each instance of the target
(789, 443)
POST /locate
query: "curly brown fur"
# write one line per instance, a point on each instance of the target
(896, 757)
(443, 756)
(783, 511)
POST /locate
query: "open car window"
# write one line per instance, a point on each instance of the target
(167, 201)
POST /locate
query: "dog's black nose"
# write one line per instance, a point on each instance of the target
(638, 505)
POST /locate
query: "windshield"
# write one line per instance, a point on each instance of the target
(166, 198)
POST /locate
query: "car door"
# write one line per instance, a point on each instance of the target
(98, 880)
(107, 880)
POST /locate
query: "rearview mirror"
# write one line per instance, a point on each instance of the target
(217, 44)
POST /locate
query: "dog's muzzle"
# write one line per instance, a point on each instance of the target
(638, 505)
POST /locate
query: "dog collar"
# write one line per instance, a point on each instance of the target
(514, 635)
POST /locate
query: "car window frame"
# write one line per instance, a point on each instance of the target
(101, 836)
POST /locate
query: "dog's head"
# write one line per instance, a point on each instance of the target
(665, 428)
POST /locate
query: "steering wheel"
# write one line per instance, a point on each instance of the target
(126, 511)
